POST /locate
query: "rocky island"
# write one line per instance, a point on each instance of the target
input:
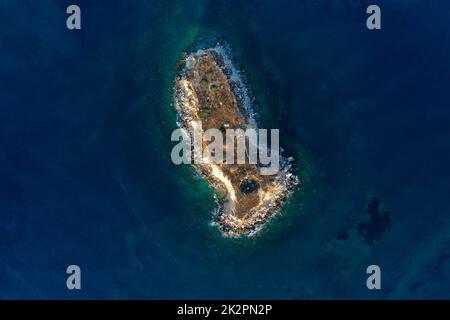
(210, 90)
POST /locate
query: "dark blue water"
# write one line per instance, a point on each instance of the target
(85, 171)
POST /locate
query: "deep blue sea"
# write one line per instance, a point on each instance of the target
(86, 176)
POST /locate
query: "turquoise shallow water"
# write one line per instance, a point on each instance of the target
(86, 176)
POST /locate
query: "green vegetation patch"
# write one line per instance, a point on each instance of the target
(204, 84)
(204, 113)
(214, 87)
(210, 74)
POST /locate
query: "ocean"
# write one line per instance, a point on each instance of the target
(86, 176)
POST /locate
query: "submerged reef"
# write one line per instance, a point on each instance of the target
(379, 222)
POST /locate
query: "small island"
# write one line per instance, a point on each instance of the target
(209, 89)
